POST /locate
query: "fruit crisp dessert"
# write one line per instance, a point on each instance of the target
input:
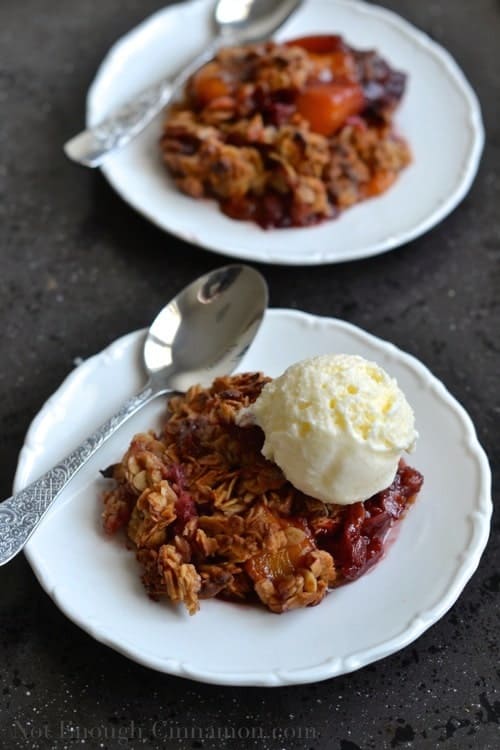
(209, 505)
(287, 134)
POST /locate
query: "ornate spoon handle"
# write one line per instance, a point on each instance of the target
(21, 513)
(91, 146)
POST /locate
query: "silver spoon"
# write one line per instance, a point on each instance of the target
(202, 333)
(235, 21)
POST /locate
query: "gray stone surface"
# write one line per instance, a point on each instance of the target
(79, 268)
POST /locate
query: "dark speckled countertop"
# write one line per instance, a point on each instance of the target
(72, 254)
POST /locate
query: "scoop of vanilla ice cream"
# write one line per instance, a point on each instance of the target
(336, 425)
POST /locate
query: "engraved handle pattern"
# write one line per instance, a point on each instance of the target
(20, 514)
(93, 145)
(132, 118)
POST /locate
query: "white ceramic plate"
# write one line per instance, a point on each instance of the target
(95, 580)
(440, 117)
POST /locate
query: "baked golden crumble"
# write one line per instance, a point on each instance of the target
(287, 134)
(209, 516)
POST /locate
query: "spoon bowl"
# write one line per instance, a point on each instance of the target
(252, 20)
(203, 332)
